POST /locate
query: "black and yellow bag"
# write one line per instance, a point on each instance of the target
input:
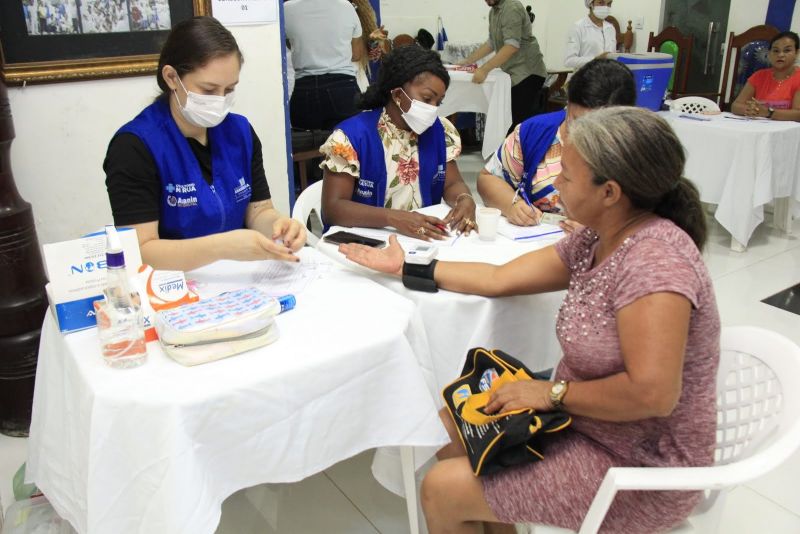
(494, 442)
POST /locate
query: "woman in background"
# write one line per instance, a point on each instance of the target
(774, 92)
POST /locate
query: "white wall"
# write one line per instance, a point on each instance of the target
(63, 131)
(466, 21)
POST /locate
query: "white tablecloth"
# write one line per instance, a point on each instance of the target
(523, 326)
(492, 97)
(157, 449)
(740, 166)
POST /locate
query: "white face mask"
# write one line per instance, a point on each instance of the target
(601, 12)
(205, 111)
(420, 116)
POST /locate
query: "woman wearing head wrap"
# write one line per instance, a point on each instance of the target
(592, 36)
(398, 155)
(529, 160)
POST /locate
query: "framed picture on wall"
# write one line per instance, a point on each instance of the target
(44, 41)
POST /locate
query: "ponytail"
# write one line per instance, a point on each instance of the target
(681, 205)
(638, 149)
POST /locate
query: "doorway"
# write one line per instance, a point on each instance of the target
(707, 21)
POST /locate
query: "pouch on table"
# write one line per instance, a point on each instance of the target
(219, 327)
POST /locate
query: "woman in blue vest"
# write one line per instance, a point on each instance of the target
(398, 155)
(523, 169)
(187, 174)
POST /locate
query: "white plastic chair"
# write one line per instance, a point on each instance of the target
(309, 200)
(758, 428)
(693, 105)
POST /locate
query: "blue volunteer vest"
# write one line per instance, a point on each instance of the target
(536, 136)
(362, 131)
(189, 206)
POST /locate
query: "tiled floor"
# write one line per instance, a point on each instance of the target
(346, 498)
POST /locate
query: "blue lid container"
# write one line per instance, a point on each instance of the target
(651, 72)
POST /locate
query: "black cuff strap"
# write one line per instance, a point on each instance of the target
(420, 277)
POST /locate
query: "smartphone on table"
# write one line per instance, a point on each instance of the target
(343, 237)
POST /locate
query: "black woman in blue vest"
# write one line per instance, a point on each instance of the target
(186, 173)
(398, 155)
(518, 179)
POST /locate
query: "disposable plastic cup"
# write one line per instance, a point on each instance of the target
(487, 220)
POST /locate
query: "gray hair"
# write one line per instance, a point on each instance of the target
(637, 149)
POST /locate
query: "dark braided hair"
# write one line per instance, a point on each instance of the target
(398, 67)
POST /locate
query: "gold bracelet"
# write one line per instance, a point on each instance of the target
(462, 195)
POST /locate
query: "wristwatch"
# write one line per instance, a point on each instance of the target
(557, 393)
(770, 111)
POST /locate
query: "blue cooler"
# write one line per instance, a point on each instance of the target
(651, 72)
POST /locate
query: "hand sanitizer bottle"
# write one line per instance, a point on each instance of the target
(119, 319)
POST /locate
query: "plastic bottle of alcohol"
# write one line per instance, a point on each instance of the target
(119, 321)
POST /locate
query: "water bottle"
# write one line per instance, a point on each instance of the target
(119, 317)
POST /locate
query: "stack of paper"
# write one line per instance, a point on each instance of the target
(520, 233)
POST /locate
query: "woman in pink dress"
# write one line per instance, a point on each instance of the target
(774, 93)
(639, 330)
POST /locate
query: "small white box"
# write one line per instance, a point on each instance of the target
(77, 273)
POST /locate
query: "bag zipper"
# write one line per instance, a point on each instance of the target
(257, 333)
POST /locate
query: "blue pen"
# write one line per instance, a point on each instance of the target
(524, 195)
(694, 118)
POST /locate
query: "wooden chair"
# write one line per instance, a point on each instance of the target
(556, 97)
(305, 147)
(615, 23)
(736, 43)
(683, 59)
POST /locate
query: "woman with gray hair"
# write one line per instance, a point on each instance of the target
(639, 331)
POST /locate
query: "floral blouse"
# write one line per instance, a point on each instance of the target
(402, 160)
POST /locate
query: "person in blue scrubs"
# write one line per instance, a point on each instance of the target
(186, 173)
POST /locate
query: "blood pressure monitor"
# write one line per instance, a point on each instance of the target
(421, 254)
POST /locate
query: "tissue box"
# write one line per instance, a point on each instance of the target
(77, 273)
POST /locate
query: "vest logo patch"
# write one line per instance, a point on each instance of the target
(187, 202)
(242, 191)
(181, 188)
(173, 200)
(440, 175)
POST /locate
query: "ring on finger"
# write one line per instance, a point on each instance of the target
(421, 230)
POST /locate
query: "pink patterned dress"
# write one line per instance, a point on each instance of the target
(557, 491)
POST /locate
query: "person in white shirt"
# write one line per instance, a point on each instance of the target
(592, 36)
(325, 38)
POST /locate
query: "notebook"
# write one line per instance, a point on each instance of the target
(521, 233)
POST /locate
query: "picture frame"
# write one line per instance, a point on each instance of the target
(48, 41)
